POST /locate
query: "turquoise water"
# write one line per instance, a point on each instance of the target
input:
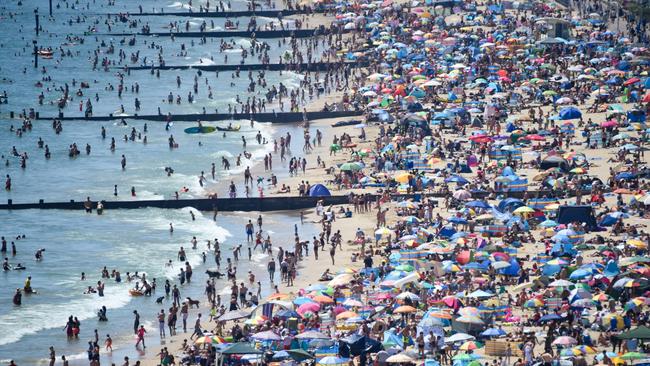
(137, 240)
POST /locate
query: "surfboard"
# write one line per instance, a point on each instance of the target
(204, 129)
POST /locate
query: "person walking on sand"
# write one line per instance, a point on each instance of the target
(249, 231)
(141, 332)
(271, 268)
(197, 328)
(136, 321)
(161, 323)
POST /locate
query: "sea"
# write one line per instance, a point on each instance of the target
(127, 240)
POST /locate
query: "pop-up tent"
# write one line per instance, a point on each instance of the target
(319, 190)
(554, 161)
(581, 214)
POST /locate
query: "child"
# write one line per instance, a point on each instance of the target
(109, 342)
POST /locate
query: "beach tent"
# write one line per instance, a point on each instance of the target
(237, 349)
(355, 345)
(636, 115)
(510, 204)
(512, 270)
(554, 161)
(583, 214)
(319, 190)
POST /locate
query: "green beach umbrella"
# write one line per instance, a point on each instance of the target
(351, 167)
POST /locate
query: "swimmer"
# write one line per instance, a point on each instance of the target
(39, 254)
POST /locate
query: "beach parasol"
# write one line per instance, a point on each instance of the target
(459, 337)
(402, 357)
(565, 341)
(210, 339)
(470, 346)
(333, 361)
(405, 309)
(346, 315)
(266, 336)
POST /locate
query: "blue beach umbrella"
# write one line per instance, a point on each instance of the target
(570, 113)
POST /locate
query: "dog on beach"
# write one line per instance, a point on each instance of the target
(160, 300)
(193, 302)
(214, 274)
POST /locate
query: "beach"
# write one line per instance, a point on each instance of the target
(497, 184)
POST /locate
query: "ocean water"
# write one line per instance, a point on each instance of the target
(134, 240)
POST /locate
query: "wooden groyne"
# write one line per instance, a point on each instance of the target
(269, 13)
(273, 203)
(201, 204)
(302, 67)
(280, 117)
(286, 33)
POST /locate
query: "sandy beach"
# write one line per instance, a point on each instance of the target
(498, 182)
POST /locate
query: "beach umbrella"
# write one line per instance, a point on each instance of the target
(383, 232)
(346, 315)
(440, 315)
(286, 313)
(312, 334)
(549, 223)
(523, 210)
(405, 309)
(568, 113)
(470, 346)
(500, 265)
(278, 296)
(534, 303)
(408, 295)
(550, 317)
(266, 336)
(235, 314)
(469, 319)
(333, 361)
(633, 356)
(462, 194)
(565, 341)
(478, 204)
(480, 294)
(302, 300)
(459, 337)
(456, 179)
(308, 307)
(561, 283)
(210, 339)
(493, 332)
(322, 299)
(352, 302)
(402, 357)
(341, 280)
(316, 287)
(351, 167)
